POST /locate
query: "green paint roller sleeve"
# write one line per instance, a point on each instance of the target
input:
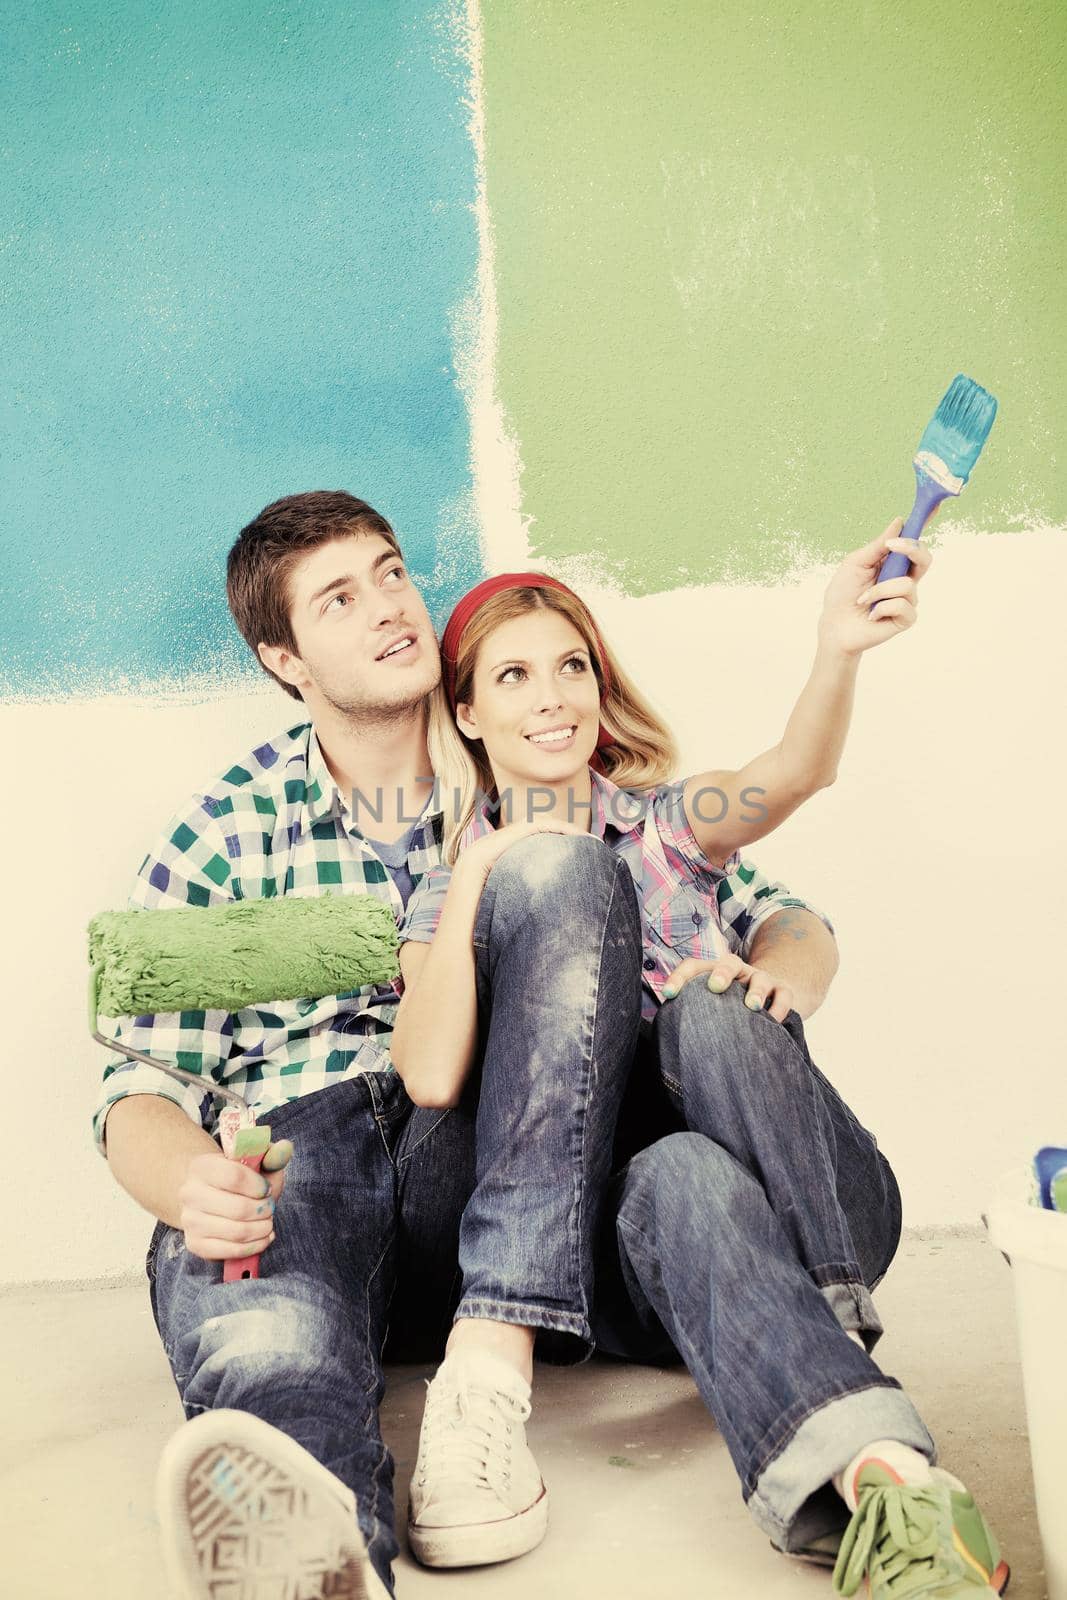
(244, 953)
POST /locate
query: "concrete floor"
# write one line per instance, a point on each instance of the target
(644, 1498)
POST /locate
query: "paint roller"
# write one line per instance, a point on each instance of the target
(227, 957)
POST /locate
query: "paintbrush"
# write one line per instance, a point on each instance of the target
(945, 459)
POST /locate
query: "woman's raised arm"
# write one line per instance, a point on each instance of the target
(728, 811)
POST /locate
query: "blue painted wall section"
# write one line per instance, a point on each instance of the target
(233, 240)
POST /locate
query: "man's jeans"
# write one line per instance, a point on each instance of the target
(749, 1245)
(382, 1198)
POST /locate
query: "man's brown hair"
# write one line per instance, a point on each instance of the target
(259, 566)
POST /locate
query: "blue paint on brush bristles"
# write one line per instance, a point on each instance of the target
(945, 459)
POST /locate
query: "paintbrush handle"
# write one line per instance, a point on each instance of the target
(243, 1266)
(928, 496)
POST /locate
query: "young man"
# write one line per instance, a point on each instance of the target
(279, 1475)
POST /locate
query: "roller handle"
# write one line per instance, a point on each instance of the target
(248, 1146)
(928, 496)
(244, 1266)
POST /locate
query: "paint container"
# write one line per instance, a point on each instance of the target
(1050, 1178)
(1035, 1243)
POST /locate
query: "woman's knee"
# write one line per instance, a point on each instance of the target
(539, 863)
(561, 888)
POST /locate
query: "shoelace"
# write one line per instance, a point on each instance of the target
(466, 1434)
(896, 1536)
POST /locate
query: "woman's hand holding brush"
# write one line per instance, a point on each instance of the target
(858, 611)
(227, 1210)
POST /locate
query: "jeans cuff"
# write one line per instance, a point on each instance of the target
(825, 1443)
(528, 1316)
(853, 1307)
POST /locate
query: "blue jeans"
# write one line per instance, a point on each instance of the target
(748, 1245)
(385, 1202)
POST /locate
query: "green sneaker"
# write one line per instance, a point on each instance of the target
(917, 1539)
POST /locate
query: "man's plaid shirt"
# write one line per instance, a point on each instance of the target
(276, 824)
(273, 824)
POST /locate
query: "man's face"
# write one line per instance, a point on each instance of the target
(364, 637)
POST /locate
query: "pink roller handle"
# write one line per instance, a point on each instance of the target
(244, 1266)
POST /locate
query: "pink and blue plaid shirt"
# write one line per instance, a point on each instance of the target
(688, 906)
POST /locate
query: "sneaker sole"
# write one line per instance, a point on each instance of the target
(812, 1556)
(246, 1514)
(480, 1544)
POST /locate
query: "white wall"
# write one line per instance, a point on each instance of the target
(939, 854)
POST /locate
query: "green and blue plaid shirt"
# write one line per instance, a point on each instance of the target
(276, 823)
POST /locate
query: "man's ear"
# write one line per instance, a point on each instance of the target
(287, 666)
(466, 721)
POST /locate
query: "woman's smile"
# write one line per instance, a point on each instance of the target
(561, 737)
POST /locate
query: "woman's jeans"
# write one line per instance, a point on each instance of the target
(749, 1245)
(383, 1198)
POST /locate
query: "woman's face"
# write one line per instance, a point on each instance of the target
(534, 703)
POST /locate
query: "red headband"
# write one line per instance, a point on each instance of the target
(466, 608)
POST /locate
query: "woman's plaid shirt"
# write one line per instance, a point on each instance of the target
(688, 907)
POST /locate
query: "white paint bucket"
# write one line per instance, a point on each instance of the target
(1035, 1242)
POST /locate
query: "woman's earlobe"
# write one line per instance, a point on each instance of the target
(466, 721)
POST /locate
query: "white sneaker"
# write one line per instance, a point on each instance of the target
(477, 1495)
(246, 1513)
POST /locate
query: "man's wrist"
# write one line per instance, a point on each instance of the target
(780, 976)
(794, 947)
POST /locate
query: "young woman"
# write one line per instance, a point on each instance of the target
(553, 736)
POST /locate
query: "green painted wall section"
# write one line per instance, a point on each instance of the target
(740, 254)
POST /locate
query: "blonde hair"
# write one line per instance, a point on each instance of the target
(643, 755)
